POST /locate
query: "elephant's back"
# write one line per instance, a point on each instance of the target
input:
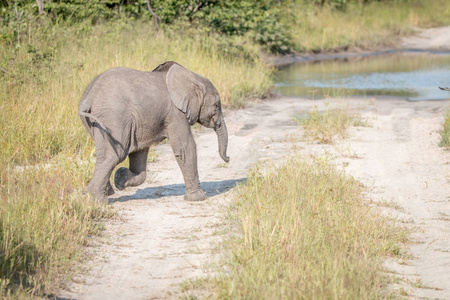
(132, 103)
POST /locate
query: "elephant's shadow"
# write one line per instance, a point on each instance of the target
(211, 188)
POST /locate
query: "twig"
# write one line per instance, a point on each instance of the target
(198, 4)
(18, 16)
(40, 4)
(155, 16)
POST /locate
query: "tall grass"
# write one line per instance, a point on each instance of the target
(305, 231)
(377, 24)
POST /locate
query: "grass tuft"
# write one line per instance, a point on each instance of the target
(306, 232)
(330, 124)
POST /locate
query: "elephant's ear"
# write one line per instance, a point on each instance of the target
(186, 91)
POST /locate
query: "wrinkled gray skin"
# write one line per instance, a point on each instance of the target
(125, 111)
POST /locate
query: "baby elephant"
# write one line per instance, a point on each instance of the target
(125, 111)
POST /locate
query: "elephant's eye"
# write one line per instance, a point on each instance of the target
(216, 106)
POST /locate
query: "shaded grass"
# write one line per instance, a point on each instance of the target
(445, 132)
(304, 231)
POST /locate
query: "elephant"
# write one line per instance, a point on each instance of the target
(126, 111)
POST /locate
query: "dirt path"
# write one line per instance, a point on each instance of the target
(160, 240)
(434, 39)
(407, 171)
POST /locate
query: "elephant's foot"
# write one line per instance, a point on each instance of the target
(121, 177)
(100, 195)
(198, 195)
(102, 199)
(124, 178)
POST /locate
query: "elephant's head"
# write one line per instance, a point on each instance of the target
(197, 97)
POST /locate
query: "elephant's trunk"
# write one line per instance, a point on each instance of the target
(222, 137)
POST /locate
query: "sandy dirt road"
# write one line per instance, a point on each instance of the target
(160, 240)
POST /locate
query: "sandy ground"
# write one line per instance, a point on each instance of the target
(434, 39)
(160, 240)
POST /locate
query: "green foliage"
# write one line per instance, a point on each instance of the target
(258, 19)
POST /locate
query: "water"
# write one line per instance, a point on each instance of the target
(413, 76)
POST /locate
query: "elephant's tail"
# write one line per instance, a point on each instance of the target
(85, 112)
(89, 115)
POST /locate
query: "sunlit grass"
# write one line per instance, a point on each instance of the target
(305, 231)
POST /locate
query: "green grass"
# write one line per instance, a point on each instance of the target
(445, 132)
(304, 231)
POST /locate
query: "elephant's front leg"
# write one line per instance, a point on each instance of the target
(183, 146)
(136, 174)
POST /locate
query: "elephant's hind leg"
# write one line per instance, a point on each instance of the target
(100, 187)
(136, 174)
